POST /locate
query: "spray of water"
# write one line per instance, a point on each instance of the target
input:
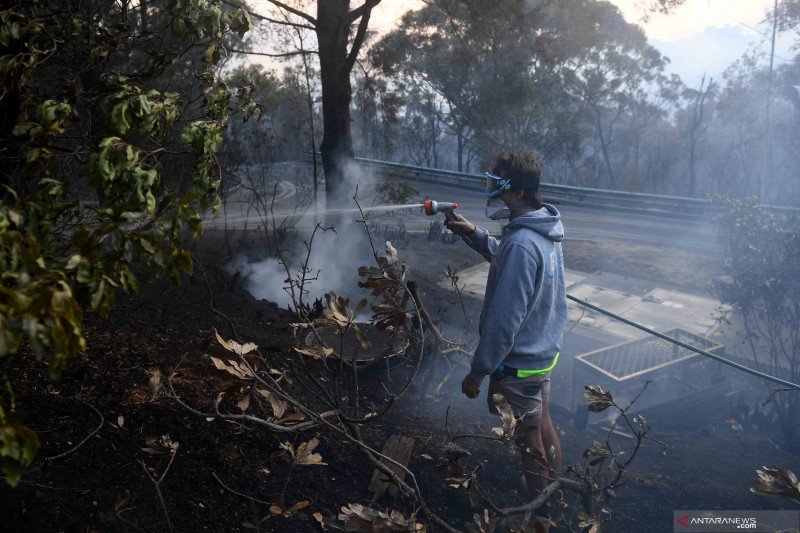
(322, 212)
(335, 256)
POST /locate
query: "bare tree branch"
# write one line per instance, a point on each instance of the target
(284, 54)
(241, 5)
(294, 11)
(365, 11)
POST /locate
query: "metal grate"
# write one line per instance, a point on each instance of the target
(634, 358)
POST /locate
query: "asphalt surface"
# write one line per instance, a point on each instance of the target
(596, 223)
(582, 221)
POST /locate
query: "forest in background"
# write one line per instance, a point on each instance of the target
(121, 124)
(456, 81)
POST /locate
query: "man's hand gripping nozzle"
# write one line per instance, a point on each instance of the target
(432, 207)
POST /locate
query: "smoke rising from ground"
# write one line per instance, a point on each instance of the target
(340, 245)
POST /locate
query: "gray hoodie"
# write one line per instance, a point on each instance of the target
(525, 307)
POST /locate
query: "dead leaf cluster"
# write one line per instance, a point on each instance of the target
(245, 392)
(161, 445)
(303, 454)
(387, 277)
(600, 451)
(357, 517)
(599, 400)
(389, 314)
(510, 422)
(468, 481)
(235, 347)
(481, 523)
(588, 523)
(776, 481)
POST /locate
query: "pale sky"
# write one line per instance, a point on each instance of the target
(688, 20)
(701, 36)
(693, 17)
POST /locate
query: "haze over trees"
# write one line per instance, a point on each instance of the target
(455, 80)
(121, 122)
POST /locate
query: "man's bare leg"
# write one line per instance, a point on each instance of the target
(550, 439)
(534, 463)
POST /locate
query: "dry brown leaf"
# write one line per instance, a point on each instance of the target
(776, 481)
(155, 383)
(338, 310)
(600, 451)
(589, 523)
(362, 338)
(318, 517)
(599, 400)
(301, 505)
(360, 307)
(297, 416)
(120, 421)
(358, 518)
(391, 253)
(232, 367)
(317, 352)
(235, 347)
(305, 455)
(278, 406)
(163, 444)
(509, 428)
(244, 402)
(122, 503)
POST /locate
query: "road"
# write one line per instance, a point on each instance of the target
(586, 222)
(582, 221)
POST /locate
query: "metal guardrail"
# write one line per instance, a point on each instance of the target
(640, 202)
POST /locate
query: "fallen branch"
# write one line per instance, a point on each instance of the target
(81, 443)
(157, 484)
(245, 496)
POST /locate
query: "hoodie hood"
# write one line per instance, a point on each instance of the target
(545, 221)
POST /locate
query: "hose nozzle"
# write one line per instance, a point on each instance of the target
(432, 207)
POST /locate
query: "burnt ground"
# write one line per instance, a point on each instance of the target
(102, 485)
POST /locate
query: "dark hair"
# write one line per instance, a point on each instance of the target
(524, 168)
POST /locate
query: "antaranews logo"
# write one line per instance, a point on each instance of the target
(710, 521)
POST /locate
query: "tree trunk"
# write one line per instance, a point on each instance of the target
(336, 149)
(460, 151)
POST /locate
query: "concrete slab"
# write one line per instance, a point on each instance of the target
(696, 313)
(474, 279)
(617, 302)
(659, 308)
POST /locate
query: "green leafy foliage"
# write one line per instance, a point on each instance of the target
(763, 282)
(110, 161)
(18, 446)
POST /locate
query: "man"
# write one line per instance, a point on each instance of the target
(524, 309)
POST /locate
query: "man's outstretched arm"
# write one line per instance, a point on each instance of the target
(477, 238)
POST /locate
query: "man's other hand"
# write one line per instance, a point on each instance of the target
(470, 387)
(461, 227)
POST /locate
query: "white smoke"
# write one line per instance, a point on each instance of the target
(335, 254)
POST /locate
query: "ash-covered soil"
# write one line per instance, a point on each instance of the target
(102, 485)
